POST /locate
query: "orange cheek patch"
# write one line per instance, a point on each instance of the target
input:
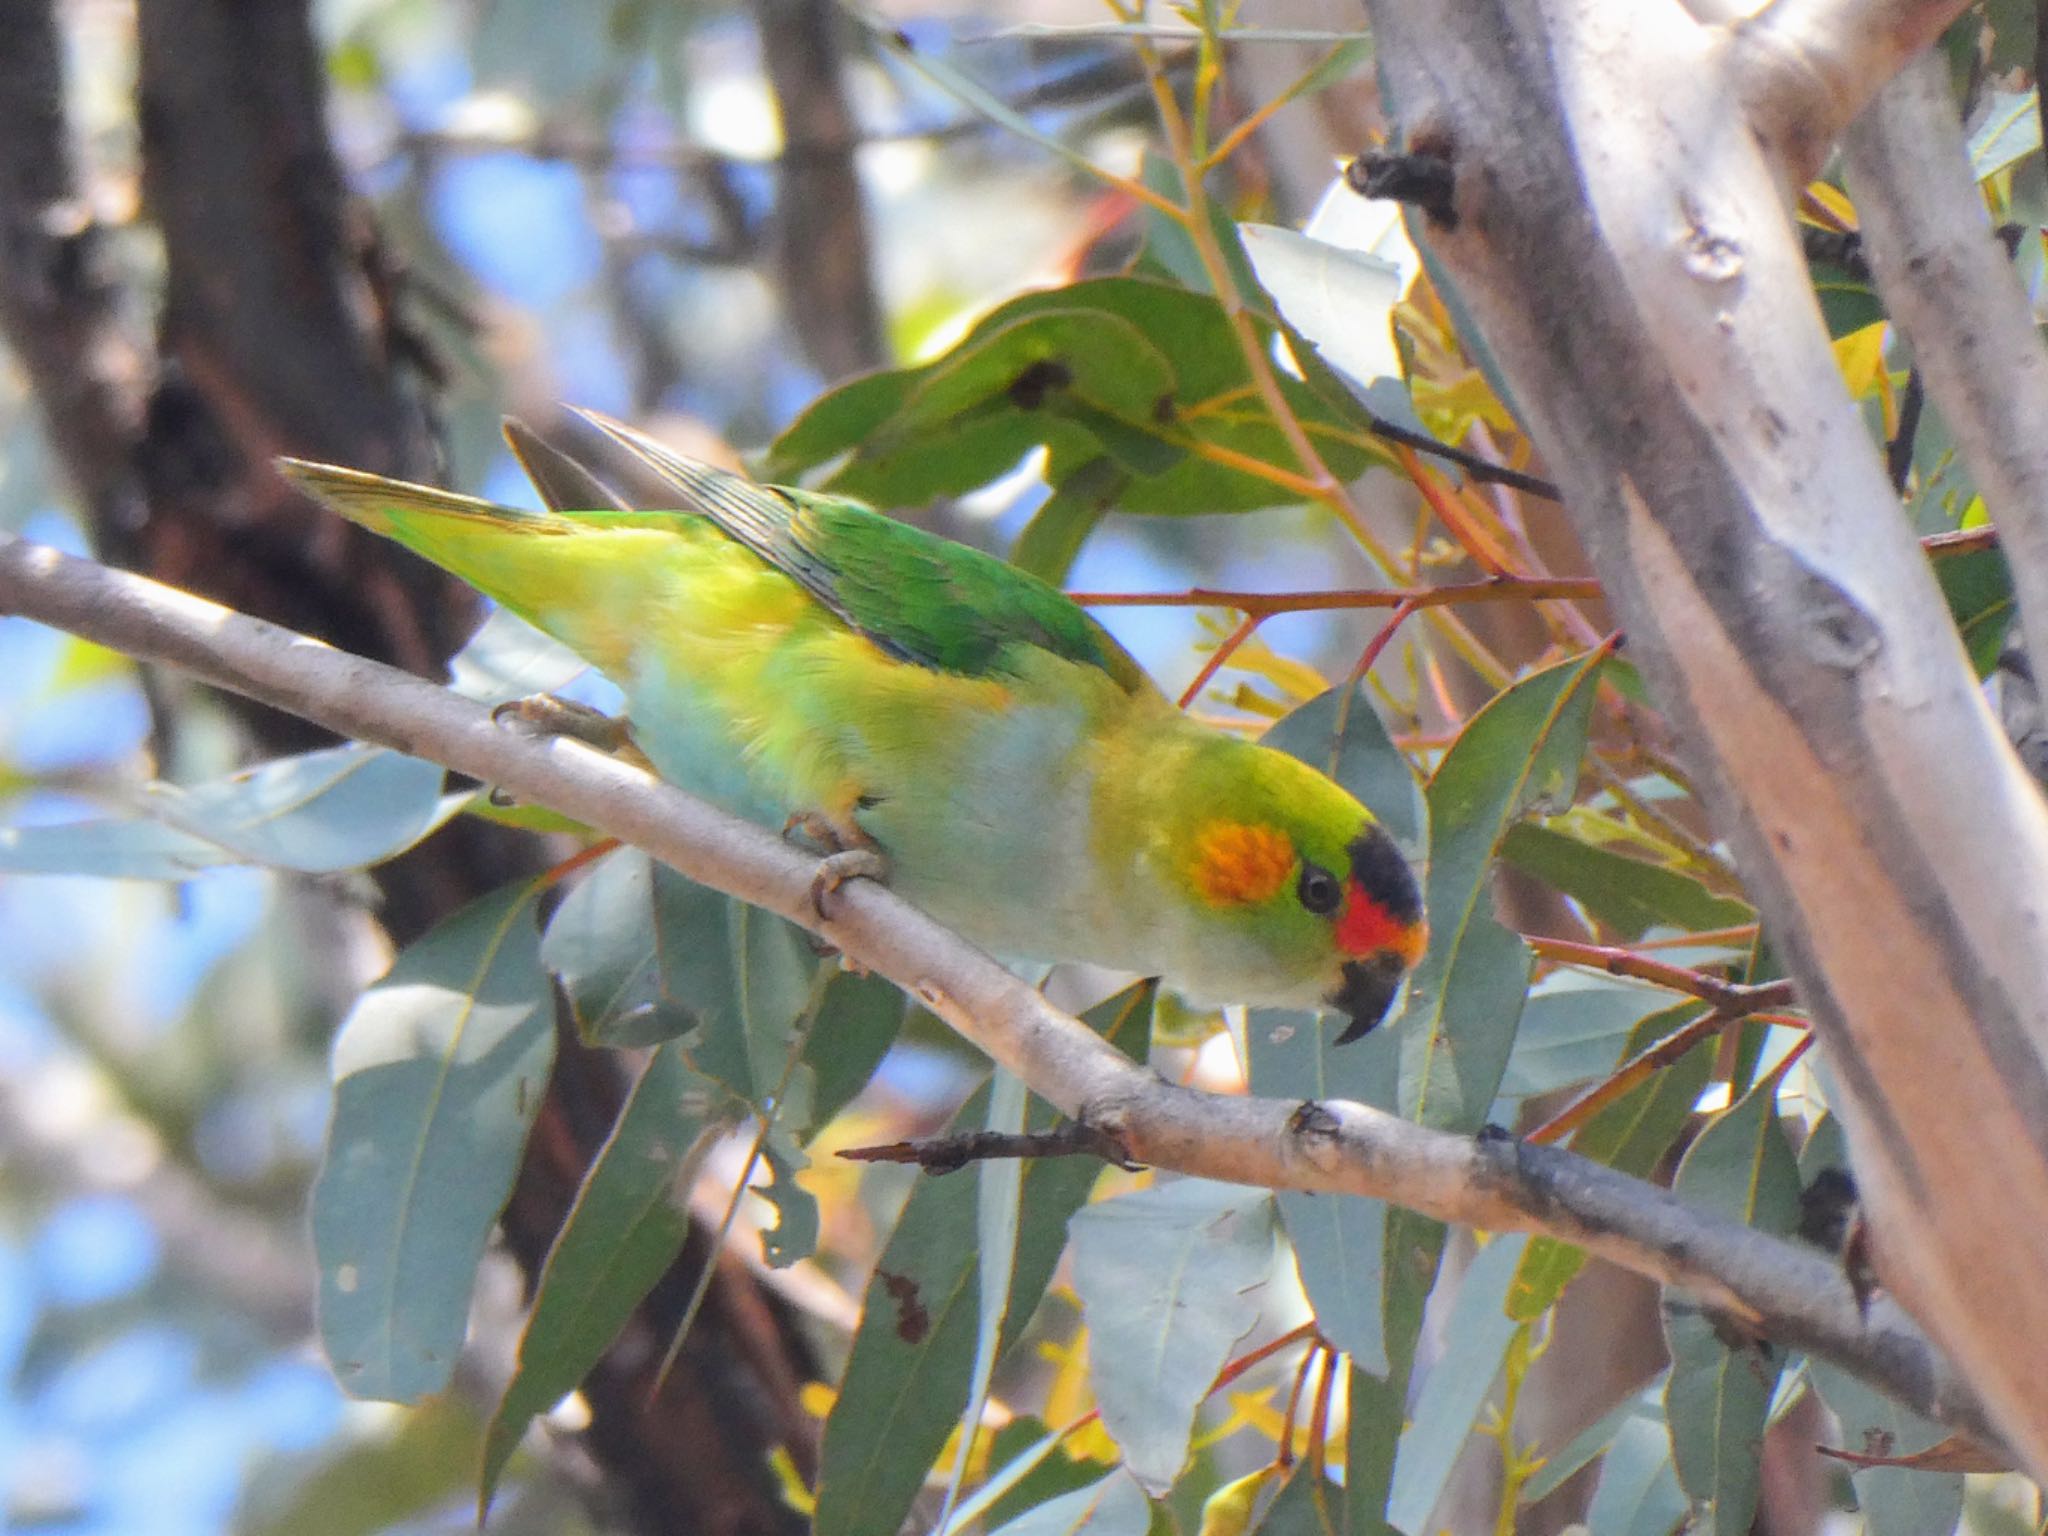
(1236, 863)
(1366, 927)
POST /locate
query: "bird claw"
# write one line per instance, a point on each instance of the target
(546, 714)
(840, 866)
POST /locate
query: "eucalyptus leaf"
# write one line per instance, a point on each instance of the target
(1628, 894)
(795, 1233)
(1306, 1505)
(625, 1227)
(859, 1018)
(1379, 1403)
(2008, 130)
(1169, 1279)
(1574, 1029)
(1030, 1473)
(1114, 1506)
(1629, 1135)
(997, 1208)
(1521, 752)
(439, 1070)
(1632, 1134)
(1896, 1501)
(1148, 375)
(1170, 246)
(1342, 301)
(646, 955)
(1638, 1492)
(1458, 1384)
(1563, 1464)
(1339, 1241)
(1977, 585)
(1718, 1398)
(507, 658)
(1051, 542)
(323, 812)
(601, 943)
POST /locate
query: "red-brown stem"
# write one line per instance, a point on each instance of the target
(577, 860)
(1308, 1359)
(1627, 1075)
(1319, 1416)
(1265, 1351)
(1222, 653)
(1960, 542)
(1735, 998)
(1368, 657)
(1744, 933)
(1660, 1054)
(1486, 553)
(1493, 589)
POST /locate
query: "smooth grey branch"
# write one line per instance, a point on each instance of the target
(1782, 1290)
(1948, 283)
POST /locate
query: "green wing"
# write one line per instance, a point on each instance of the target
(919, 597)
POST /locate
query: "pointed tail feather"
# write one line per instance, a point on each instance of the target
(396, 508)
(753, 513)
(587, 578)
(564, 482)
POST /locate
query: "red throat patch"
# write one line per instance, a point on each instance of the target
(1365, 927)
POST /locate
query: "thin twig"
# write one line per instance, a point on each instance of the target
(1473, 539)
(1733, 997)
(1652, 1058)
(1226, 648)
(1530, 589)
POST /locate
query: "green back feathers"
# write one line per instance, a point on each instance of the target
(919, 597)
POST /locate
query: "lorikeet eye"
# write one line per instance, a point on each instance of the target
(1319, 890)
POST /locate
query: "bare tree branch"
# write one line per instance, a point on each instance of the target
(1787, 1292)
(1949, 284)
(1805, 69)
(1629, 258)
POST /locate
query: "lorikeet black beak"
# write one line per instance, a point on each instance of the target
(1367, 992)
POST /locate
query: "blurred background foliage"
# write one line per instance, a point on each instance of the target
(709, 218)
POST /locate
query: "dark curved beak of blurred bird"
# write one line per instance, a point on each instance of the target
(1367, 992)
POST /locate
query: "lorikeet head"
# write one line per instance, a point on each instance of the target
(1297, 895)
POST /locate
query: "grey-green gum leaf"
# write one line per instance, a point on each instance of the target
(439, 1070)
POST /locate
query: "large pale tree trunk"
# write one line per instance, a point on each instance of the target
(1619, 175)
